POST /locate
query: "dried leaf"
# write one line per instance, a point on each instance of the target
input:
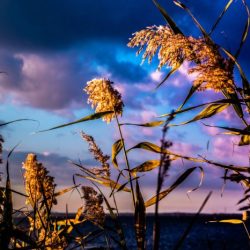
(166, 192)
(116, 148)
(84, 119)
(148, 124)
(146, 166)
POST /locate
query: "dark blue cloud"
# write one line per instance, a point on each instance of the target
(59, 24)
(96, 30)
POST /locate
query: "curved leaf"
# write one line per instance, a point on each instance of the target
(84, 119)
(179, 111)
(116, 148)
(244, 140)
(106, 182)
(169, 20)
(147, 146)
(235, 131)
(168, 75)
(245, 83)
(245, 31)
(164, 193)
(140, 219)
(207, 112)
(190, 225)
(146, 166)
(63, 191)
(147, 124)
(236, 104)
(220, 16)
(125, 184)
(156, 149)
(230, 221)
(18, 120)
(190, 93)
(200, 183)
(184, 7)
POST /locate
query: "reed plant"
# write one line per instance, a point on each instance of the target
(214, 67)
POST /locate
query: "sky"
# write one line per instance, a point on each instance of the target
(50, 49)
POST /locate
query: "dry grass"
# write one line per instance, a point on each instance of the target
(214, 67)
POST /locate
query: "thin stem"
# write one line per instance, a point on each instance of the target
(244, 121)
(163, 168)
(248, 235)
(126, 158)
(156, 231)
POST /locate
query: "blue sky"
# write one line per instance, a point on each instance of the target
(50, 49)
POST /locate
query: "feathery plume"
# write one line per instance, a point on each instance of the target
(93, 209)
(103, 97)
(53, 240)
(104, 170)
(38, 184)
(213, 71)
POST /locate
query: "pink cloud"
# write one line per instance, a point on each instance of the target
(52, 82)
(156, 76)
(224, 148)
(185, 148)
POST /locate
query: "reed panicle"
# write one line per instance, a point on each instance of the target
(52, 240)
(103, 97)
(38, 184)
(93, 209)
(212, 70)
(95, 150)
(40, 187)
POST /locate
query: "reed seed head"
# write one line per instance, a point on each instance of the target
(38, 184)
(103, 97)
(104, 170)
(213, 71)
(52, 240)
(93, 209)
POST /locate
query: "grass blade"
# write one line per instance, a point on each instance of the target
(146, 166)
(18, 120)
(188, 229)
(220, 16)
(105, 182)
(184, 7)
(210, 110)
(245, 31)
(116, 148)
(166, 192)
(190, 93)
(140, 219)
(169, 20)
(147, 124)
(168, 75)
(221, 101)
(84, 119)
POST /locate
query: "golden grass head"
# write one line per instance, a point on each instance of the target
(93, 209)
(52, 240)
(38, 184)
(104, 170)
(103, 97)
(213, 71)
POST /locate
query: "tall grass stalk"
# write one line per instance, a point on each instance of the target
(162, 172)
(126, 158)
